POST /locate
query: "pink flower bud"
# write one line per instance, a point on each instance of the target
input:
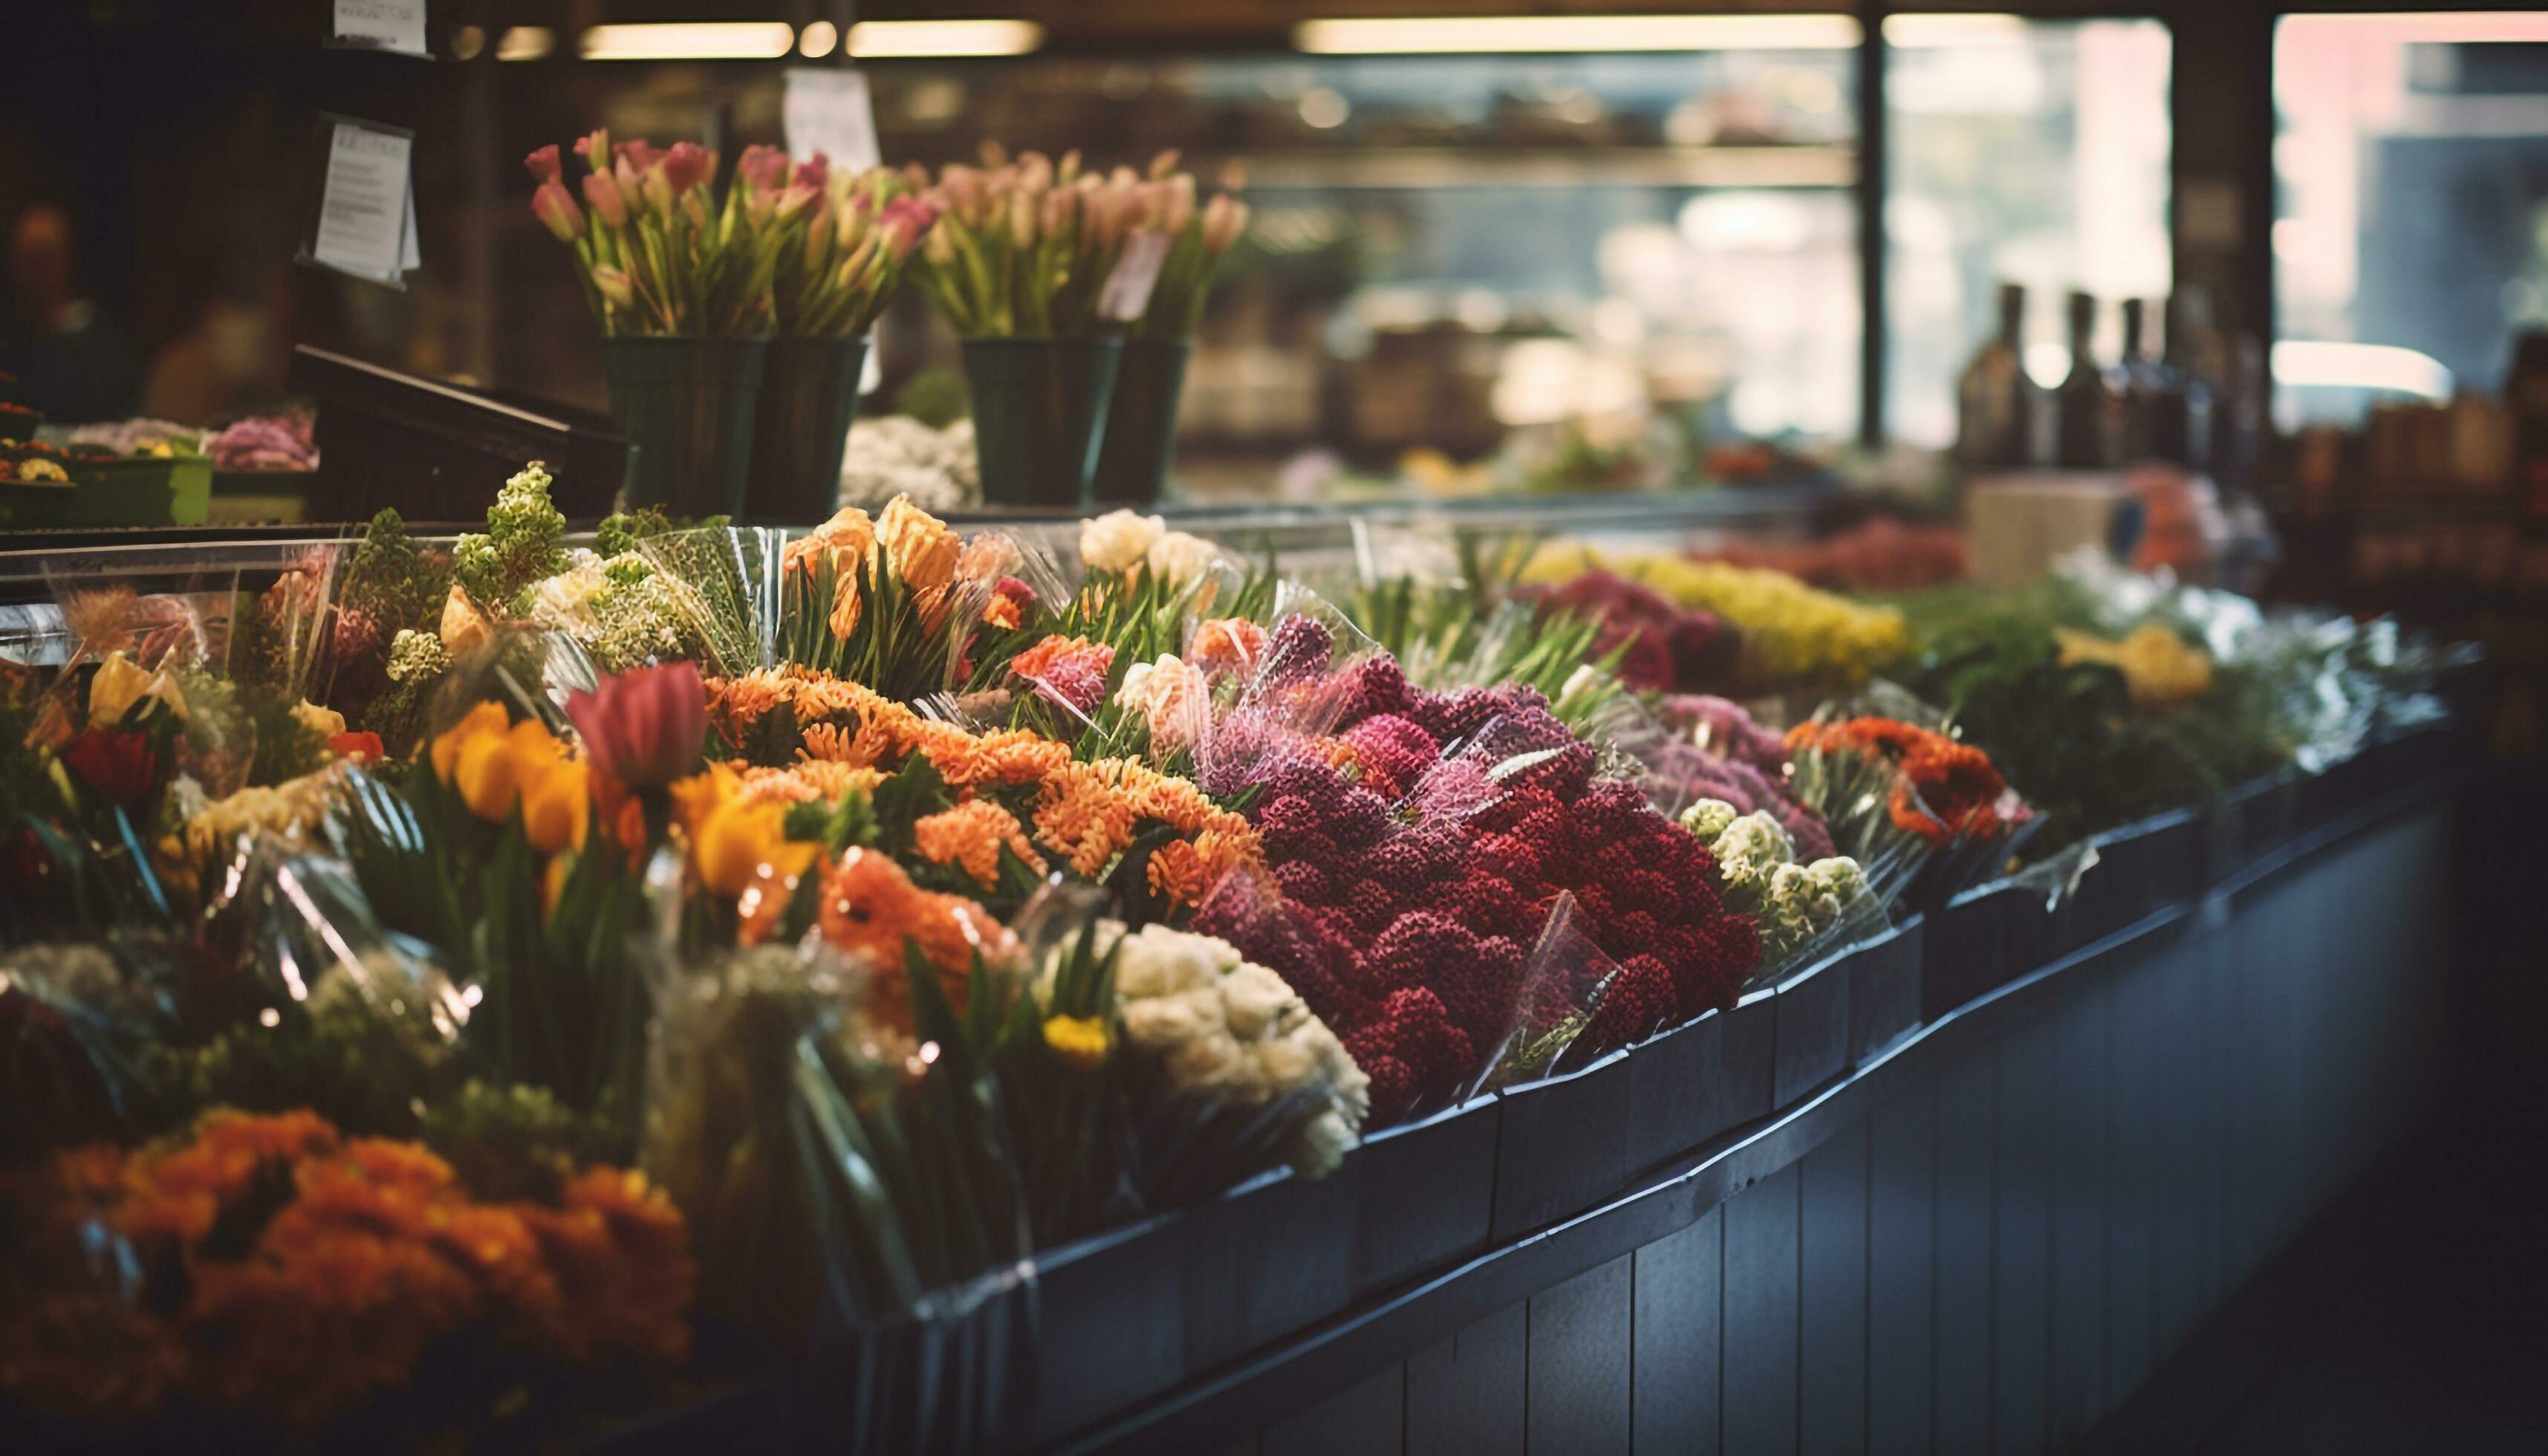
(762, 168)
(631, 181)
(593, 148)
(615, 286)
(816, 173)
(609, 205)
(543, 164)
(907, 220)
(558, 210)
(1223, 219)
(796, 198)
(640, 153)
(687, 165)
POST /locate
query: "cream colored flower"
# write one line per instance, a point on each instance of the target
(1157, 1023)
(464, 627)
(1253, 997)
(325, 722)
(1181, 558)
(121, 683)
(1119, 540)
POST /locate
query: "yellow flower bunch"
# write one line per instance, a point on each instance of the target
(2161, 669)
(1793, 634)
(499, 767)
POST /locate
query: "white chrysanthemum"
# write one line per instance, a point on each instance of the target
(1213, 1062)
(1323, 1141)
(1158, 1022)
(1255, 997)
(1119, 540)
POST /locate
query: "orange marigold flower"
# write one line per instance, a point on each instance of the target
(971, 835)
(871, 909)
(1185, 871)
(622, 1261)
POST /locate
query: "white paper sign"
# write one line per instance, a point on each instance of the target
(382, 25)
(1127, 294)
(367, 214)
(827, 109)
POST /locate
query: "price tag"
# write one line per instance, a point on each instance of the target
(367, 205)
(1127, 294)
(382, 25)
(827, 109)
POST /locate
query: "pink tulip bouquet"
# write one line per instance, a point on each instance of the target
(1199, 237)
(658, 251)
(1034, 249)
(844, 239)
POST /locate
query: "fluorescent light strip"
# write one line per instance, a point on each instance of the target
(1924, 31)
(1533, 34)
(742, 40)
(2440, 27)
(875, 40)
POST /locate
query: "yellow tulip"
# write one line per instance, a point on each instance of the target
(556, 804)
(920, 547)
(487, 718)
(738, 844)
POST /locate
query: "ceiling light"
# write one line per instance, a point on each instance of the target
(2440, 27)
(741, 40)
(526, 43)
(1923, 32)
(873, 39)
(1523, 33)
(818, 40)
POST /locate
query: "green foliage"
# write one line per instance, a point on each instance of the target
(524, 542)
(392, 580)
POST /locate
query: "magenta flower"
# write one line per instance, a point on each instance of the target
(644, 727)
(762, 167)
(639, 153)
(815, 173)
(687, 165)
(543, 164)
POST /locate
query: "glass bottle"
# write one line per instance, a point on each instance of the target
(1996, 405)
(2087, 401)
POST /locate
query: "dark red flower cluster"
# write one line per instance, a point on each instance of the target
(1667, 646)
(1410, 928)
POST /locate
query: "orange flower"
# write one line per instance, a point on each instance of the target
(1001, 612)
(921, 548)
(871, 909)
(1184, 871)
(971, 835)
(1227, 645)
(622, 1257)
(813, 781)
(848, 543)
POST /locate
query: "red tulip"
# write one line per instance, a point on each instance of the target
(543, 164)
(118, 765)
(644, 727)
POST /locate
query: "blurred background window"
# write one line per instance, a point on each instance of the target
(1603, 263)
(2411, 225)
(2022, 151)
